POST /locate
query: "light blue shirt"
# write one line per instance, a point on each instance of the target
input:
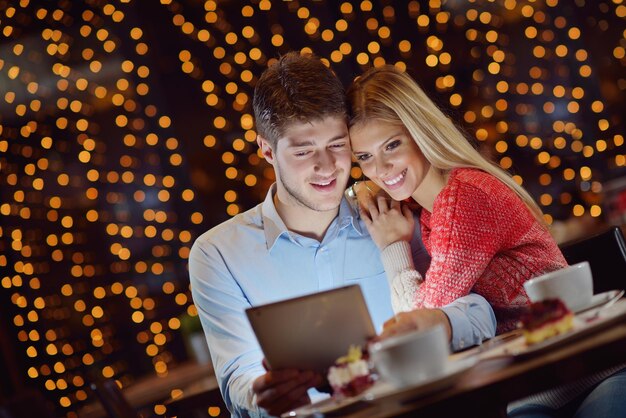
(253, 259)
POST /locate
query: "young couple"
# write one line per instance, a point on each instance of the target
(478, 231)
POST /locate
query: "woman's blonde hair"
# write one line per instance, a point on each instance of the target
(386, 94)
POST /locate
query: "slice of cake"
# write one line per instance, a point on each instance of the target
(546, 319)
(350, 375)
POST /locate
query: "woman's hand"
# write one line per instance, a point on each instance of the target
(418, 319)
(388, 222)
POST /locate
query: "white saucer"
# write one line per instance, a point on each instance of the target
(384, 391)
(602, 299)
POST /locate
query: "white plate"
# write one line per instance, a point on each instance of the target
(602, 299)
(585, 323)
(384, 391)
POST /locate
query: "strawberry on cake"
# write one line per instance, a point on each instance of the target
(546, 319)
(350, 375)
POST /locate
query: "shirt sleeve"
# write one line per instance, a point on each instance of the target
(234, 350)
(471, 319)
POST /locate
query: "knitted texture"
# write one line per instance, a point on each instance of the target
(404, 279)
(482, 238)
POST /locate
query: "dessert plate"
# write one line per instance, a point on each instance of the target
(603, 300)
(383, 391)
(585, 323)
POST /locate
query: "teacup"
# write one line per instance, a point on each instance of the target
(413, 357)
(573, 285)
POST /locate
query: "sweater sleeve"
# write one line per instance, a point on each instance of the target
(404, 279)
(467, 230)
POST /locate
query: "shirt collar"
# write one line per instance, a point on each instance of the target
(274, 226)
(349, 215)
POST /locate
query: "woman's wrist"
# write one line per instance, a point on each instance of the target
(397, 257)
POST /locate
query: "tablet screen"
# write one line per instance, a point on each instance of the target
(310, 332)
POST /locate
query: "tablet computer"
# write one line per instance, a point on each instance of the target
(310, 332)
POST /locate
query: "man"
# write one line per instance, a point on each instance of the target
(305, 237)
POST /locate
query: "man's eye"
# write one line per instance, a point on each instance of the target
(341, 145)
(393, 144)
(301, 153)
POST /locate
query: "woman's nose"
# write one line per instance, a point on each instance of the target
(382, 166)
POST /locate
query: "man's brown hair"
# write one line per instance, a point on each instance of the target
(296, 88)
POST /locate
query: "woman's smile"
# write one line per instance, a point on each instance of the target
(395, 182)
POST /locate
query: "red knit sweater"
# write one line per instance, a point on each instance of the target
(482, 238)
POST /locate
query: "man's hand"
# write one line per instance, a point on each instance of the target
(283, 390)
(417, 319)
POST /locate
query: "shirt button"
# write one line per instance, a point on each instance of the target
(323, 249)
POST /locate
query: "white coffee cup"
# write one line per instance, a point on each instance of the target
(573, 285)
(411, 358)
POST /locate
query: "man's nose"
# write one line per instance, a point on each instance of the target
(325, 162)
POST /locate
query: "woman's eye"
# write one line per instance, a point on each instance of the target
(393, 144)
(362, 157)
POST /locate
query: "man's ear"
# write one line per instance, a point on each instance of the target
(266, 148)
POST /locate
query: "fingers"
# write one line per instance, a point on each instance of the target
(273, 378)
(372, 208)
(283, 390)
(386, 204)
(382, 204)
(399, 324)
(279, 399)
(389, 322)
(394, 330)
(366, 216)
(291, 395)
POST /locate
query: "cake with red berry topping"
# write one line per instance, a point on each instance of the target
(546, 319)
(350, 375)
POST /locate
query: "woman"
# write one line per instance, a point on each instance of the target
(484, 232)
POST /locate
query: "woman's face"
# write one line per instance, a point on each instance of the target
(389, 157)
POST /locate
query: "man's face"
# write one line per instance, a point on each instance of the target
(312, 161)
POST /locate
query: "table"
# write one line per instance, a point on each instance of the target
(197, 399)
(152, 389)
(488, 387)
